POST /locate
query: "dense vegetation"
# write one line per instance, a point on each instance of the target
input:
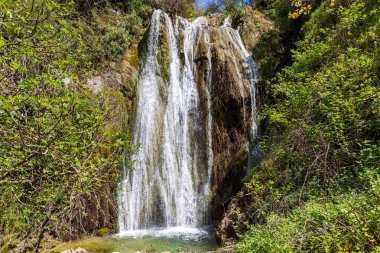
(317, 188)
(59, 150)
(56, 151)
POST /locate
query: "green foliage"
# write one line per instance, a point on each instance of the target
(328, 99)
(233, 7)
(317, 188)
(32, 32)
(184, 8)
(279, 10)
(349, 223)
(340, 223)
(55, 150)
(109, 31)
(229, 7)
(212, 8)
(111, 35)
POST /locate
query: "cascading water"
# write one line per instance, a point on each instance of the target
(252, 73)
(169, 184)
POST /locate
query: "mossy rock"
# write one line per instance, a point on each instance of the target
(263, 39)
(103, 232)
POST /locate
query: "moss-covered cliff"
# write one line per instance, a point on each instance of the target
(230, 94)
(117, 84)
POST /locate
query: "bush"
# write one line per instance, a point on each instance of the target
(55, 151)
(112, 33)
(317, 187)
(349, 223)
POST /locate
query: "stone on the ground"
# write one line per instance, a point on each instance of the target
(77, 250)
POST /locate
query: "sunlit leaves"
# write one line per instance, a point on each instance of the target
(318, 186)
(53, 145)
(301, 7)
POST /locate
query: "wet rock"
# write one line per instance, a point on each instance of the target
(231, 112)
(231, 102)
(265, 42)
(119, 75)
(232, 223)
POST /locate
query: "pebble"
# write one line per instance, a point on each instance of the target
(78, 250)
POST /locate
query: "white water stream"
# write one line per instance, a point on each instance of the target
(169, 186)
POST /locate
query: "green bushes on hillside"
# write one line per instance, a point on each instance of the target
(340, 224)
(317, 188)
(112, 31)
(55, 152)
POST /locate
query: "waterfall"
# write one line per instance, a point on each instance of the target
(169, 183)
(252, 73)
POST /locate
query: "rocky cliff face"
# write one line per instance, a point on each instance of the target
(230, 96)
(220, 71)
(264, 41)
(231, 110)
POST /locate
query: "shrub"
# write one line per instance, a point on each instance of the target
(317, 187)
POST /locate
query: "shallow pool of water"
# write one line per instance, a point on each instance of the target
(173, 240)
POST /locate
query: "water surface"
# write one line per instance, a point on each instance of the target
(170, 239)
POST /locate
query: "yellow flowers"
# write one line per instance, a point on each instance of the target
(302, 7)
